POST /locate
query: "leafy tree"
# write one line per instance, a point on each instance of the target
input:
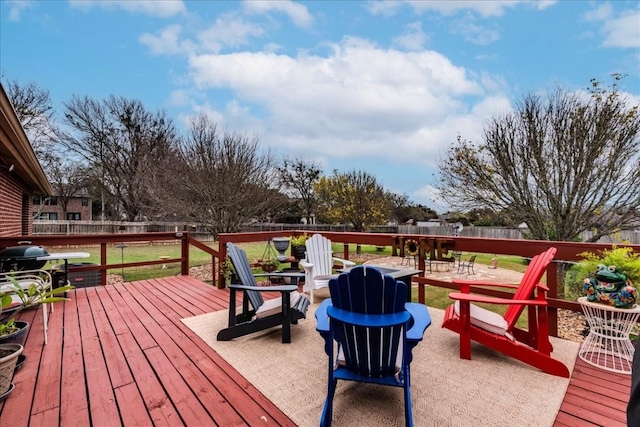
(354, 198)
(562, 164)
(123, 143)
(299, 176)
(223, 180)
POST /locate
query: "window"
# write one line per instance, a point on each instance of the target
(52, 201)
(73, 216)
(37, 200)
(46, 216)
(85, 202)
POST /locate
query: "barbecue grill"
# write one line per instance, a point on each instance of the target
(22, 257)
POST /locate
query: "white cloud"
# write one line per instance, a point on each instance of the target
(298, 13)
(360, 101)
(484, 8)
(17, 7)
(228, 31)
(166, 42)
(384, 8)
(474, 33)
(413, 37)
(159, 8)
(620, 30)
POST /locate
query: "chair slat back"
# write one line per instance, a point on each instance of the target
(319, 254)
(531, 278)
(368, 351)
(242, 266)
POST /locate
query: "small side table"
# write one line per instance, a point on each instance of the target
(607, 345)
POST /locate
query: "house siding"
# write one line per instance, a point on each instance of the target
(15, 214)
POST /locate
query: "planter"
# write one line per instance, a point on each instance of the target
(9, 354)
(281, 244)
(17, 337)
(298, 251)
(268, 268)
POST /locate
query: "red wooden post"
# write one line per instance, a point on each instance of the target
(103, 262)
(184, 270)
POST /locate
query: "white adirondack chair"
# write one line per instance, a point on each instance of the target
(318, 264)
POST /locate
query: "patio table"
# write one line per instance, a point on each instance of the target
(66, 256)
(608, 346)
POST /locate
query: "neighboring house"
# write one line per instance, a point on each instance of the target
(21, 175)
(49, 209)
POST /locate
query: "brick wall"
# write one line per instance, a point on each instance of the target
(14, 220)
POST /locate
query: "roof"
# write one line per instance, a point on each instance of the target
(16, 150)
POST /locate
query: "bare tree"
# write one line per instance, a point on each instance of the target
(299, 177)
(33, 108)
(68, 179)
(224, 180)
(563, 165)
(124, 143)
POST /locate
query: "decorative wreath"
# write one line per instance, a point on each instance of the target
(411, 247)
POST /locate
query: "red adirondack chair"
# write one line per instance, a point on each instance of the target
(499, 332)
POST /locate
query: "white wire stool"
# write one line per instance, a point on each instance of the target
(607, 345)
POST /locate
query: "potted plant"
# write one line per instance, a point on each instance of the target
(607, 276)
(269, 265)
(13, 332)
(298, 248)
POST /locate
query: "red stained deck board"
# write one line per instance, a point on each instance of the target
(47, 393)
(119, 373)
(190, 409)
(74, 409)
(158, 405)
(180, 357)
(586, 408)
(567, 420)
(144, 339)
(132, 409)
(46, 418)
(181, 297)
(117, 324)
(252, 412)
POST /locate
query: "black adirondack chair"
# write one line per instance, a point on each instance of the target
(258, 314)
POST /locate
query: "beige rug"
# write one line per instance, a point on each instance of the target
(490, 390)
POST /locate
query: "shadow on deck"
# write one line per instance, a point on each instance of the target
(119, 355)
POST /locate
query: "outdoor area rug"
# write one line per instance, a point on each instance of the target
(489, 390)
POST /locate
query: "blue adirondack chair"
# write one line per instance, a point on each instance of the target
(375, 330)
(258, 314)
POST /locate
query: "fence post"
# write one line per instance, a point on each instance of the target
(185, 253)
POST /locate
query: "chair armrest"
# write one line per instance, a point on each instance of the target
(421, 320)
(484, 283)
(345, 262)
(322, 319)
(281, 288)
(492, 300)
(304, 263)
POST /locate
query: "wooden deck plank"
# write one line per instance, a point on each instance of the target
(119, 372)
(159, 406)
(131, 406)
(181, 358)
(47, 393)
(190, 409)
(102, 406)
(135, 326)
(74, 407)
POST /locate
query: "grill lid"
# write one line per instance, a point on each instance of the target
(21, 258)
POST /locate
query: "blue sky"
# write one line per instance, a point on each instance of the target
(383, 87)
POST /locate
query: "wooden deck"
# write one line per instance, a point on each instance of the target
(119, 355)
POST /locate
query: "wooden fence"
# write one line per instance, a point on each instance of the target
(199, 232)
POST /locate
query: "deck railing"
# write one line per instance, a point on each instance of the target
(438, 247)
